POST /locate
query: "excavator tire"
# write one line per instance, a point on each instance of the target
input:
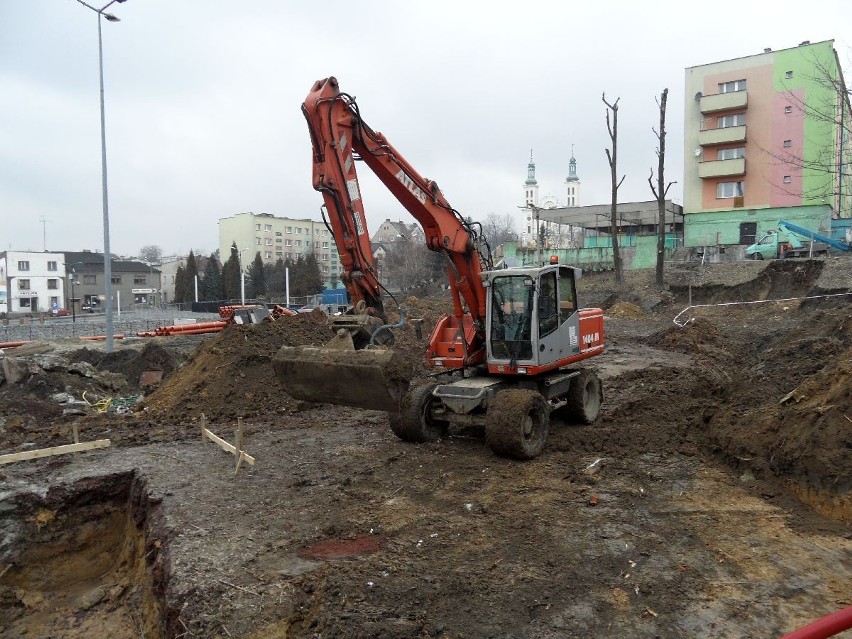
(415, 423)
(517, 423)
(584, 398)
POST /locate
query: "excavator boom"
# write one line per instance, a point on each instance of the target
(339, 138)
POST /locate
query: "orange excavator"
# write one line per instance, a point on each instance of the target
(505, 359)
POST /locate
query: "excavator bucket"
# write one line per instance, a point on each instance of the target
(372, 378)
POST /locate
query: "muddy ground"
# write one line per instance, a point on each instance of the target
(711, 498)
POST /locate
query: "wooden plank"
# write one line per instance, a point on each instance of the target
(56, 450)
(227, 447)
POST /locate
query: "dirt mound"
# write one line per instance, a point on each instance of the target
(625, 309)
(689, 338)
(231, 375)
(130, 362)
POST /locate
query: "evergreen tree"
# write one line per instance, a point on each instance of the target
(276, 279)
(211, 286)
(180, 285)
(256, 277)
(231, 275)
(312, 276)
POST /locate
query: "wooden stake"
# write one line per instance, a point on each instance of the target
(203, 427)
(239, 445)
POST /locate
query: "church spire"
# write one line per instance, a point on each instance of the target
(572, 168)
(531, 171)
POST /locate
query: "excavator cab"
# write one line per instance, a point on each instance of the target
(533, 320)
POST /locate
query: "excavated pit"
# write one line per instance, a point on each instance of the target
(85, 560)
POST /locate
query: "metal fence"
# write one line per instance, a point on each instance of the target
(92, 325)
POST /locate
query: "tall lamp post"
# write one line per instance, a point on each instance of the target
(108, 344)
(242, 278)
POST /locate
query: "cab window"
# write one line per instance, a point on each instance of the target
(567, 298)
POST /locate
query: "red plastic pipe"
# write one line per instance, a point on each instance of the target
(14, 344)
(825, 627)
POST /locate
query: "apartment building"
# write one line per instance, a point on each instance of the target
(282, 238)
(765, 140)
(31, 282)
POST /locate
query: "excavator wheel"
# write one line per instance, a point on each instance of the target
(517, 423)
(415, 422)
(584, 398)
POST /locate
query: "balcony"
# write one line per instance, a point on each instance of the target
(726, 135)
(724, 102)
(722, 168)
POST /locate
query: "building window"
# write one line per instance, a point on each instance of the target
(731, 87)
(277, 233)
(789, 74)
(788, 109)
(23, 285)
(257, 241)
(298, 230)
(316, 244)
(257, 227)
(90, 279)
(288, 242)
(24, 302)
(52, 284)
(268, 255)
(116, 279)
(267, 227)
(23, 265)
(788, 144)
(278, 253)
(325, 232)
(289, 229)
(730, 189)
(731, 154)
(726, 121)
(139, 279)
(325, 257)
(278, 240)
(51, 266)
(298, 242)
(325, 244)
(787, 179)
(269, 241)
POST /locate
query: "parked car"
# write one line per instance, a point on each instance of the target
(87, 308)
(61, 312)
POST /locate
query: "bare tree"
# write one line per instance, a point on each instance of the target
(612, 157)
(150, 253)
(662, 188)
(499, 229)
(409, 264)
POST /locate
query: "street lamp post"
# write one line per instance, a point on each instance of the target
(108, 343)
(239, 254)
(73, 299)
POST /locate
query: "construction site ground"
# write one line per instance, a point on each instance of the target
(710, 499)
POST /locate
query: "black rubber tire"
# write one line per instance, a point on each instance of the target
(414, 422)
(756, 256)
(584, 398)
(517, 424)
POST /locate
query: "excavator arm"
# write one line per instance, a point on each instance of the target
(377, 378)
(340, 137)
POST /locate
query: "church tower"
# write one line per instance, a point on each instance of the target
(572, 183)
(530, 200)
(531, 185)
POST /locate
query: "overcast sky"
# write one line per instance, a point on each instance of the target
(203, 103)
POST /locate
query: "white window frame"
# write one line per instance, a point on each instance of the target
(732, 87)
(728, 121)
(726, 190)
(731, 154)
